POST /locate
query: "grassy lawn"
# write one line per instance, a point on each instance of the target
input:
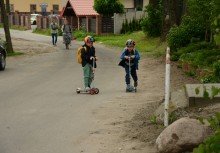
(15, 27)
(142, 43)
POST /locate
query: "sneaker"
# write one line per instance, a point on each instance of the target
(87, 88)
(128, 88)
(135, 84)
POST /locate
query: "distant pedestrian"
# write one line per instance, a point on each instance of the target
(67, 33)
(54, 32)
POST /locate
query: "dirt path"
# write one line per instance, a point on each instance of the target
(124, 123)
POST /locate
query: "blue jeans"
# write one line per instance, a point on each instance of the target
(54, 38)
(133, 74)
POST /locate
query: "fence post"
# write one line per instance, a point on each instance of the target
(167, 88)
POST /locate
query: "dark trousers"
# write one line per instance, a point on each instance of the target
(54, 38)
(133, 74)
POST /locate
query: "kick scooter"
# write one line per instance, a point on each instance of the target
(131, 88)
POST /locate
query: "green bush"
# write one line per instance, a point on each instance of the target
(152, 24)
(203, 58)
(189, 31)
(125, 27)
(216, 70)
(81, 34)
(212, 143)
(208, 79)
(60, 31)
(192, 47)
(177, 38)
(132, 26)
(194, 28)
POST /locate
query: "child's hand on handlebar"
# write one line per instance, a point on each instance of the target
(126, 57)
(133, 56)
(92, 57)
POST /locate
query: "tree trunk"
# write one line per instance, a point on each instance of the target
(6, 28)
(172, 14)
(8, 7)
(166, 20)
(184, 8)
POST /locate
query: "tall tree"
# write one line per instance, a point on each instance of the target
(203, 12)
(8, 7)
(151, 24)
(108, 7)
(172, 13)
(9, 46)
(165, 20)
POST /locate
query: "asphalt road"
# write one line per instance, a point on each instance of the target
(40, 112)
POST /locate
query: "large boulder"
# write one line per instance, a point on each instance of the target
(182, 135)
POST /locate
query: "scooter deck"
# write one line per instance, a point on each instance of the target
(91, 91)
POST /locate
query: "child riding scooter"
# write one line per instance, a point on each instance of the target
(129, 60)
(89, 64)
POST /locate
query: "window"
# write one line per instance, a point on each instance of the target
(33, 8)
(12, 8)
(56, 8)
(138, 4)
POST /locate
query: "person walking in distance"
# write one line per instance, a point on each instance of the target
(67, 34)
(54, 32)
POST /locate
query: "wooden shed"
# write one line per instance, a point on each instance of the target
(81, 15)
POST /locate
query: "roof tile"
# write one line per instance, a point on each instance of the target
(83, 7)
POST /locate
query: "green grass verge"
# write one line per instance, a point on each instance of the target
(42, 31)
(15, 27)
(16, 53)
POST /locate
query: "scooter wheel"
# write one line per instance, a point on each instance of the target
(96, 90)
(92, 92)
(78, 91)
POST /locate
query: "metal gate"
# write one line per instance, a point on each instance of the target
(107, 25)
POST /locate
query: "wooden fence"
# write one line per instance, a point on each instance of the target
(19, 20)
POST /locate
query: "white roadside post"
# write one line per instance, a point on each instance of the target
(167, 88)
